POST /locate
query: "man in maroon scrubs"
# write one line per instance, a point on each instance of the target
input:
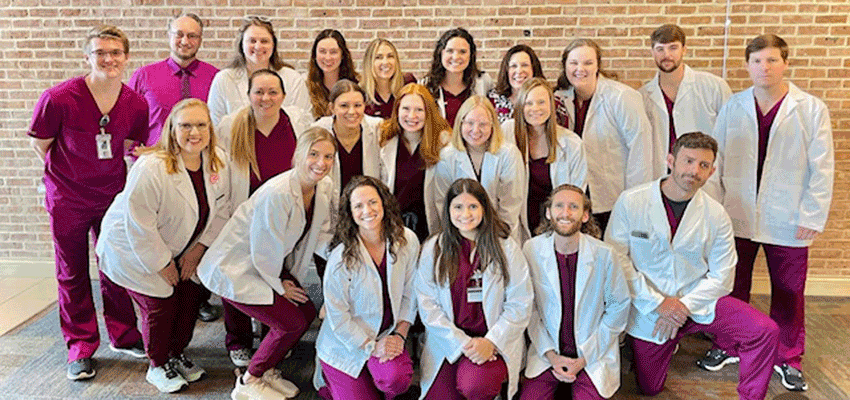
(79, 129)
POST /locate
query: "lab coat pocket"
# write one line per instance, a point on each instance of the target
(644, 246)
(780, 208)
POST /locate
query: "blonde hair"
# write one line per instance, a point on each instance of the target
(433, 130)
(522, 128)
(369, 82)
(168, 148)
(496, 137)
(107, 32)
(306, 140)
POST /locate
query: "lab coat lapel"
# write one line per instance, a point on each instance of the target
(656, 95)
(785, 111)
(389, 153)
(488, 172)
(690, 217)
(553, 280)
(658, 213)
(685, 87)
(584, 270)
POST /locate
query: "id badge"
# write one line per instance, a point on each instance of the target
(475, 288)
(104, 146)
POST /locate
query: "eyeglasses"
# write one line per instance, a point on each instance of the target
(186, 127)
(101, 54)
(468, 124)
(190, 36)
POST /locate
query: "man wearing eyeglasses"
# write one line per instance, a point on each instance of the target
(178, 77)
(80, 128)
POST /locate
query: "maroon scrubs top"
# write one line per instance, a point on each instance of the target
(197, 178)
(410, 188)
(453, 103)
(350, 164)
(765, 122)
(384, 109)
(74, 177)
(672, 132)
(387, 318)
(581, 115)
(539, 189)
(469, 317)
(567, 272)
(274, 152)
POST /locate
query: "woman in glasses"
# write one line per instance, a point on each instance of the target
(519, 64)
(256, 49)
(263, 254)
(382, 77)
(454, 75)
(478, 151)
(330, 62)
(156, 231)
(260, 139)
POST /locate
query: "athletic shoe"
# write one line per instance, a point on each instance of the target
(190, 371)
(241, 357)
(208, 312)
(166, 378)
(259, 390)
(716, 359)
(81, 369)
(272, 378)
(792, 378)
(136, 350)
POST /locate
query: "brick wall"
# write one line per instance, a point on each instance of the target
(40, 41)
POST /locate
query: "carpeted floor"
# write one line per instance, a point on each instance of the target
(32, 364)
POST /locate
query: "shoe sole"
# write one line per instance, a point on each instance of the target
(785, 383)
(168, 389)
(194, 378)
(130, 353)
(718, 367)
(240, 363)
(81, 376)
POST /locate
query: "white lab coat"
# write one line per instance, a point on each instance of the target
(152, 219)
(600, 314)
(245, 261)
(507, 310)
(699, 99)
(617, 138)
(229, 92)
(698, 266)
(240, 178)
(796, 185)
(388, 154)
(480, 86)
(354, 305)
(570, 165)
(371, 150)
(502, 176)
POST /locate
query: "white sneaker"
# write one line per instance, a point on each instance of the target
(166, 378)
(190, 371)
(258, 390)
(241, 357)
(272, 378)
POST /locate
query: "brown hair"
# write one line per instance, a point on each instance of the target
(168, 148)
(107, 32)
(242, 149)
(346, 230)
(503, 86)
(432, 132)
(489, 232)
(238, 60)
(591, 227)
(521, 127)
(316, 77)
(563, 82)
(762, 42)
(667, 33)
(438, 72)
(694, 140)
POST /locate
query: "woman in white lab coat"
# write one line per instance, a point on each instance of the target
(256, 49)
(454, 75)
(475, 300)
(355, 133)
(174, 204)
(610, 119)
(261, 140)
(369, 296)
(599, 312)
(553, 154)
(411, 141)
(478, 151)
(263, 254)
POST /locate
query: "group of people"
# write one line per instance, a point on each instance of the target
(417, 205)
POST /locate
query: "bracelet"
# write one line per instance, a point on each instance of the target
(397, 333)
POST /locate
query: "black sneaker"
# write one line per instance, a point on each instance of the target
(208, 312)
(81, 369)
(715, 360)
(136, 350)
(792, 378)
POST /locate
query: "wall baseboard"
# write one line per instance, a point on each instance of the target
(815, 286)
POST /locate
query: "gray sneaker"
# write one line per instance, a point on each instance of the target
(166, 378)
(715, 360)
(135, 350)
(81, 369)
(190, 371)
(792, 378)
